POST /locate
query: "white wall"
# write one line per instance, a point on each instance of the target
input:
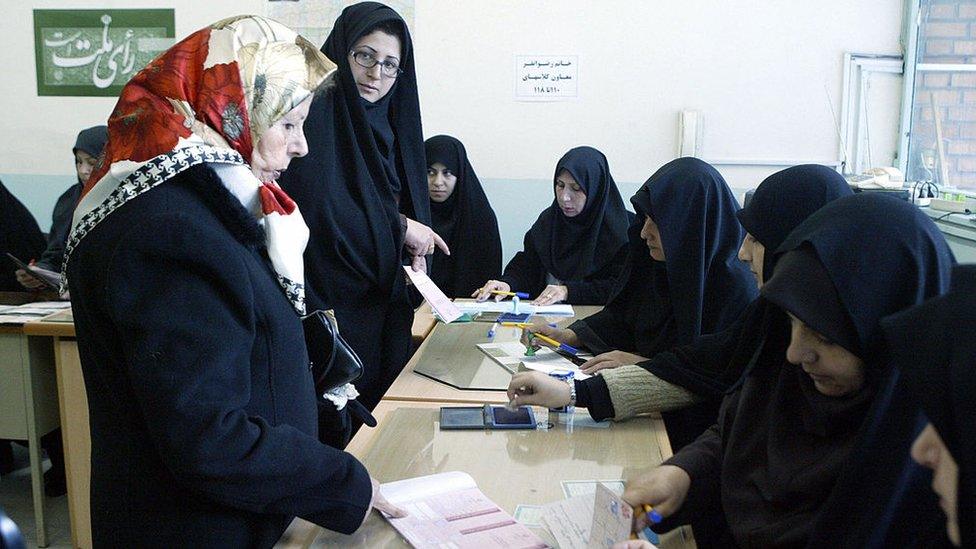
(755, 69)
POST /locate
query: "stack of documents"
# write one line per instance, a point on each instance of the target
(28, 312)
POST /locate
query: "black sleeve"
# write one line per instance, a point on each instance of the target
(524, 272)
(604, 331)
(597, 288)
(703, 367)
(594, 395)
(64, 209)
(193, 384)
(702, 460)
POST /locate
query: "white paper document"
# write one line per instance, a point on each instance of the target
(569, 521)
(510, 353)
(612, 519)
(448, 510)
(491, 306)
(445, 308)
(595, 520)
(28, 312)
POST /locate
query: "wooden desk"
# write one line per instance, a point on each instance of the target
(423, 323)
(28, 403)
(75, 432)
(510, 467)
(450, 349)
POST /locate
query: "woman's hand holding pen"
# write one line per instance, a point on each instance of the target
(611, 359)
(562, 335)
(538, 389)
(552, 294)
(484, 292)
(664, 487)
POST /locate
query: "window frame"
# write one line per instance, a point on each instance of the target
(911, 28)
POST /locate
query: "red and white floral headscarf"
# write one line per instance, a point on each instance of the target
(209, 99)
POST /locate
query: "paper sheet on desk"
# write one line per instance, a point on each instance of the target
(511, 353)
(19, 314)
(448, 510)
(491, 306)
(445, 308)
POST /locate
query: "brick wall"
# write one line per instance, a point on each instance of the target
(948, 35)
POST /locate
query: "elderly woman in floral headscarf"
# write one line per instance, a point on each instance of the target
(185, 269)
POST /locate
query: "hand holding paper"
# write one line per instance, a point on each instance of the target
(446, 309)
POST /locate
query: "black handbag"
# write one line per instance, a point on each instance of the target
(332, 361)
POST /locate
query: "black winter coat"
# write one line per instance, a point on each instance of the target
(203, 413)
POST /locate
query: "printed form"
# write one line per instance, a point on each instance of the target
(448, 510)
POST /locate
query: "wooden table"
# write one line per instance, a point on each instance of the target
(449, 352)
(72, 401)
(28, 403)
(423, 323)
(510, 467)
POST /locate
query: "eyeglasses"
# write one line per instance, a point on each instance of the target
(390, 69)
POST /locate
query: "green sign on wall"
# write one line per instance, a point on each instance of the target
(95, 52)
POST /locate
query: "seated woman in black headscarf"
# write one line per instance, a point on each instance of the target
(805, 451)
(933, 347)
(363, 191)
(682, 280)
(705, 370)
(185, 267)
(578, 245)
(88, 147)
(463, 217)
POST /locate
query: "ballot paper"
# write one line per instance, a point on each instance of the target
(591, 521)
(569, 521)
(511, 353)
(445, 309)
(612, 519)
(448, 510)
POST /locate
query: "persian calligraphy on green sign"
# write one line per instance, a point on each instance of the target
(95, 52)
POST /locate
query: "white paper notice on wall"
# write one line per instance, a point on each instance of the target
(546, 77)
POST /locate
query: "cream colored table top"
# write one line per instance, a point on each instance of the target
(62, 324)
(423, 322)
(510, 467)
(449, 351)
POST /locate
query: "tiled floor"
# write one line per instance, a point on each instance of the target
(16, 500)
